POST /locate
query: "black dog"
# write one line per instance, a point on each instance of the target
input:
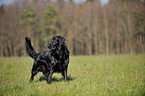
(48, 62)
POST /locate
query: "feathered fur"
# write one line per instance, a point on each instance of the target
(29, 48)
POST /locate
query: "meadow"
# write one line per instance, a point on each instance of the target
(114, 75)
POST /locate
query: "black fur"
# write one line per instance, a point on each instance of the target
(48, 62)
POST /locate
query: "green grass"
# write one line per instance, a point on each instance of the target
(87, 76)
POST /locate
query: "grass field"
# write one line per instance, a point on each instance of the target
(87, 76)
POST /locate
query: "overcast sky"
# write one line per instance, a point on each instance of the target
(11, 1)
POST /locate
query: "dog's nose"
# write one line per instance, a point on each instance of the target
(49, 46)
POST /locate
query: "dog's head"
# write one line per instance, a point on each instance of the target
(56, 42)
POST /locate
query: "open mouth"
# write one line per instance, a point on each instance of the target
(54, 47)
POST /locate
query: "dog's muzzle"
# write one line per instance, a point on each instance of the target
(49, 46)
(52, 47)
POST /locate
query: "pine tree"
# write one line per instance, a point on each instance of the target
(124, 23)
(30, 23)
(139, 26)
(124, 13)
(50, 23)
(139, 19)
(29, 20)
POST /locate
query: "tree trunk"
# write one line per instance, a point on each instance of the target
(130, 29)
(106, 33)
(10, 48)
(142, 50)
(125, 43)
(1, 49)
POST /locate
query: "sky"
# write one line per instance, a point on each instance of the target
(11, 1)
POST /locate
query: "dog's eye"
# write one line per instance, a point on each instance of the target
(54, 40)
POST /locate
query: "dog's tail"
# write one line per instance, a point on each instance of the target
(29, 48)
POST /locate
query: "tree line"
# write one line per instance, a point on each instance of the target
(89, 28)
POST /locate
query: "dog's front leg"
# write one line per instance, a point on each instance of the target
(65, 74)
(49, 76)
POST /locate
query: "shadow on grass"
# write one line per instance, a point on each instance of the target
(54, 79)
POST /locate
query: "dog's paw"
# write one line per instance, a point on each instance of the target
(31, 79)
(48, 82)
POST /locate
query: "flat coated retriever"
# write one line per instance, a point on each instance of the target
(48, 62)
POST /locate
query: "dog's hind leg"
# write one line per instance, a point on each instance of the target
(33, 72)
(32, 76)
